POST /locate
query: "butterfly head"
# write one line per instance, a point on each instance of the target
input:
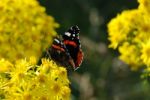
(72, 34)
(74, 29)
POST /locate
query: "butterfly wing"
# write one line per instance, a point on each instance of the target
(67, 51)
(59, 53)
(73, 45)
(79, 59)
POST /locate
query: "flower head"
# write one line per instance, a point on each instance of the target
(24, 32)
(27, 84)
(129, 35)
(144, 6)
(146, 53)
(130, 55)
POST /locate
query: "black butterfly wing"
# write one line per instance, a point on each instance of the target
(59, 53)
(73, 45)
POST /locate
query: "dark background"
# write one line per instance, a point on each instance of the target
(102, 76)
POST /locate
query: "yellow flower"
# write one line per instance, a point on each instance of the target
(25, 83)
(60, 75)
(130, 55)
(66, 93)
(146, 53)
(5, 66)
(33, 60)
(129, 35)
(120, 27)
(144, 6)
(19, 70)
(24, 32)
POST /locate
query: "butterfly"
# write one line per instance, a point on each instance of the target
(66, 49)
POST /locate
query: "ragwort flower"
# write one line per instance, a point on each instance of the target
(146, 53)
(25, 29)
(40, 84)
(129, 32)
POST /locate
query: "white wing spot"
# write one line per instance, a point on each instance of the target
(74, 35)
(57, 40)
(68, 34)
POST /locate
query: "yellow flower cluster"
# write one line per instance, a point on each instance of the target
(129, 32)
(25, 29)
(25, 80)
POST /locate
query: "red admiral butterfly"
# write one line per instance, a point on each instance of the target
(67, 51)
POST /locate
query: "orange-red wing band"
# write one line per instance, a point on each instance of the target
(79, 58)
(66, 42)
(58, 48)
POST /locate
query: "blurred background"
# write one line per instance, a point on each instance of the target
(102, 76)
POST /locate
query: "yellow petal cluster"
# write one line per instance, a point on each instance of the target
(28, 81)
(25, 29)
(129, 32)
(126, 54)
(144, 6)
